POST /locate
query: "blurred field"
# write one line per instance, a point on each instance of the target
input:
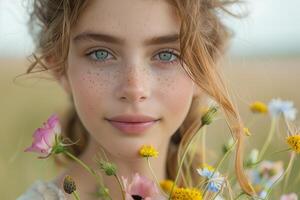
(24, 105)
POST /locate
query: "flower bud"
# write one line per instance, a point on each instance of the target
(109, 168)
(228, 145)
(253, 158)
(208, 117)
(103, 192)
(69, 185)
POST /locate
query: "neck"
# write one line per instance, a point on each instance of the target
(126, 167)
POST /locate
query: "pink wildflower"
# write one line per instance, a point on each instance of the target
(141, 188)
(44, 138)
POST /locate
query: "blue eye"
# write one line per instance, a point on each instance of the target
(99, 55)
(168, 57)
(165, 56)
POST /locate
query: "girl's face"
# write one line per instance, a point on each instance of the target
(123, 60)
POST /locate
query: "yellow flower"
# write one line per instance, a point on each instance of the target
(294, 142)
(258, 107)
(148, 151)
(247, 132)
(167, 185)
(186, 194)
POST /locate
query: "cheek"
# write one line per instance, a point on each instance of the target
(89, 94)
(176, 93)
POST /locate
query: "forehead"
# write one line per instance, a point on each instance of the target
(131, 19)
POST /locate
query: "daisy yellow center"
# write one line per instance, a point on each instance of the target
(148, 151)
(258, 107)
(294, 142)
(208, 167)
(186, 194)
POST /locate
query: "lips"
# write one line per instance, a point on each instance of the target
(132, 124)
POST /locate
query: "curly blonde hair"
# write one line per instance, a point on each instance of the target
(203, 37)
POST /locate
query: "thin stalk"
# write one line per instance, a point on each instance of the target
(229, 189)
(200, 183)
(87, 168)
(221, 161)
(190, 160)
(290, 164)
(156, 180)
(90, 170)
(75, 195)
(286, 179)
(225, 156)
(269, 138)
(203, 140)
(272, 154)
(181, 162)
(121, 186)
(185, 181)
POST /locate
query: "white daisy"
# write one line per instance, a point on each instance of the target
(278, 106)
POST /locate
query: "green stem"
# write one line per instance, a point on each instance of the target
(181, 161)
(286, 179)
(153, 174)
(290, 164)
(121, 186)
(220, 162)
(272, 154)
(225, 156)
(200, 183)
(201, 136)
(203, 145)
(76, 196)
(91, 171)
(269, 138)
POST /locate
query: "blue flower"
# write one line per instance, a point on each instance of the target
(215, 180)
(278, 106)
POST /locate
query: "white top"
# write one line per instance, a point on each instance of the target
(42, 190)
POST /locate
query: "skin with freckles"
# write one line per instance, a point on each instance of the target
(109, 77)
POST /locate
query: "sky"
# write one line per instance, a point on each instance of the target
(271, 28)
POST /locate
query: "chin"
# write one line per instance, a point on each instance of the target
(126, 149)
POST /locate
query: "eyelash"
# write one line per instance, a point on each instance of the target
(89, 54)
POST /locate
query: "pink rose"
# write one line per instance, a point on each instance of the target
(291, 196)
(44, 138)
(141, 187)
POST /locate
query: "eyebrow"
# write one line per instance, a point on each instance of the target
(171, 38)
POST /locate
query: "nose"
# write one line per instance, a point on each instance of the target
(134, 84)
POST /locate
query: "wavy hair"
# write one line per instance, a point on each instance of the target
(203, 39)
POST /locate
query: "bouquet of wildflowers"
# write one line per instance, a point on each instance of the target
(264, 173)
